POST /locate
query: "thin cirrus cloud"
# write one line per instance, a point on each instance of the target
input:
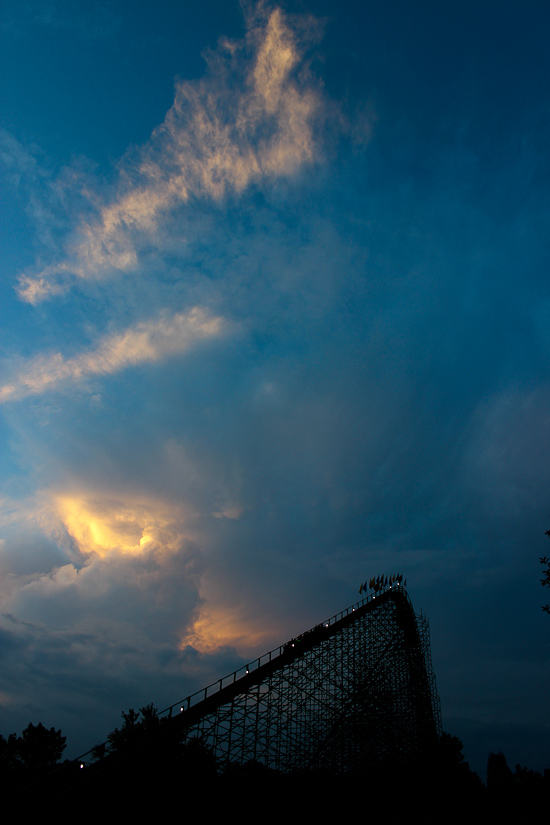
(251, 118)
(147, 342)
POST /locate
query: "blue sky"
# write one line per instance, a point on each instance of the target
(275, 298)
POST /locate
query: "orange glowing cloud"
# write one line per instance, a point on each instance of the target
(222, 625)
(102, 525)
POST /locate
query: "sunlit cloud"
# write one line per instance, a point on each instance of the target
(147, 342)
(252, 118)
(106, 525)
(126, 554)
(218, 626)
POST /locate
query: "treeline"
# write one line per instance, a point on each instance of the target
(147, 766)
(36, 749)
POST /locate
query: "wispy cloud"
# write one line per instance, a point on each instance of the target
(252, 118)
(145, 343)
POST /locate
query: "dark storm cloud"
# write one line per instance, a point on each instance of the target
(80, 681)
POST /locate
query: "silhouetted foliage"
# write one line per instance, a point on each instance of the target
(443, 786)
(99, 751)
(147, 753)
(528, 780)
(499, 776)
(546, 580)
(512, 794)
(40, 747)
(134, 730)
(449, 750)
(31, 761)
(36, 748)
(9, 752)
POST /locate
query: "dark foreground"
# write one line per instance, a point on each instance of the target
(171, 778)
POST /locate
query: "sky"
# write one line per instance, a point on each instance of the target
(275, 307)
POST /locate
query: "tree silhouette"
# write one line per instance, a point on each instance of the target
(546, 580)
(139, 727)
(40, 747)
(36, 748)
(148, 739)
(9, 757)
(147, 752)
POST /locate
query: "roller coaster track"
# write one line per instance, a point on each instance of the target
(353, 693)
(347, 694)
